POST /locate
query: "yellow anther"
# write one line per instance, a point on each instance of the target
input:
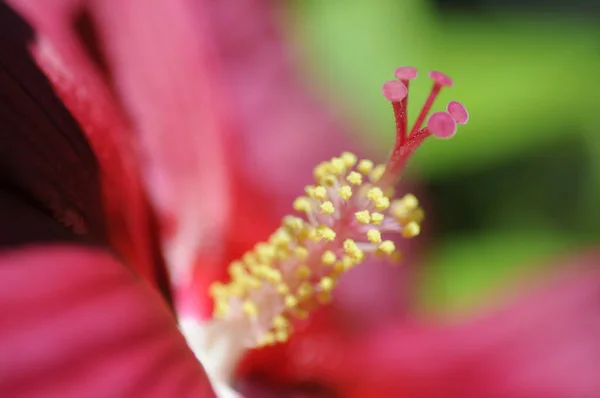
(321, 170)
(320, 192)
(375, 193)
(377, 173)
(305, 290)
(249, 258)
(314, 234)
(272, 275)
(328, 180)
(326, 284)
(294, 223)
(303, 272)
(387, 246)
(280, 238)
(268, 339)
(326, 233)
(349, 159)
(354, 178)
(398, 209)
(352, 250)
(338, 166)
(411, 229)
(338, 267)
(236, 290)
(376, 218)
(259, 270)
(327, 207)
(300, 252)
(250, 309)
(363, 217)
(291, 301)
(410, 201)
(382, 203)
(281, 336)
(345, 192)
(347, 263)
(253, 283)
(283, 253)
(217, 289)
(328, 257)
(302, 204)
(236, 269)
(265, 251)
(280, 322)
(324, 297)
(310, 190)
(221, 309)
(282, 289)
(365, 166)
(374, 236)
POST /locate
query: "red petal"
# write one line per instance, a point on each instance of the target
(544, 345)
(74, 322)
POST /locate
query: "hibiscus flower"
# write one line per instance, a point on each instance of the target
(154, 127)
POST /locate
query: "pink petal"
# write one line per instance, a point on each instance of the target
(74, 322)
(283, 131)
(544, 345)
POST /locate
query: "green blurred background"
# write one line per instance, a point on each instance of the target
(519, 185)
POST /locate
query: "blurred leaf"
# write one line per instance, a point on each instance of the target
(525, 81)
(468, 272)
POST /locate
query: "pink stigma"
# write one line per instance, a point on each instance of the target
(458, 112)
(405, 73)
(394, 91)
(441, 79)
(440, 124)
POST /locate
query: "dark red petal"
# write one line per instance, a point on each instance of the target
(74, 322)
(80, 84)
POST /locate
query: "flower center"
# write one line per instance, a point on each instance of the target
(346, 216)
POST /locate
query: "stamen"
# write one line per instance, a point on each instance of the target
(346, 216)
